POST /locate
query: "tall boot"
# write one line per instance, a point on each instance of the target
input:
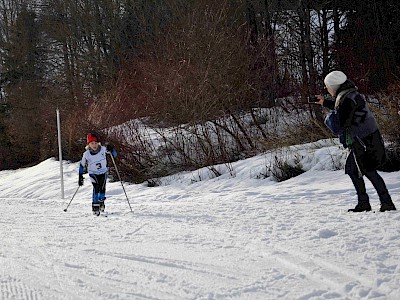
(363, 199)
(386, 202)
(360, 207)
(383, 193)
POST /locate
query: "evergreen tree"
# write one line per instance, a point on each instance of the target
(22, 78)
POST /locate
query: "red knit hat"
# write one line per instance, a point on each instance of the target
(92, 137)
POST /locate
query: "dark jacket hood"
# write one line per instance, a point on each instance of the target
(348, 84)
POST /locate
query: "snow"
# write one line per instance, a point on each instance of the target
(241, 235)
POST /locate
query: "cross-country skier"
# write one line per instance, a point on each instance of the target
(358, 131)
(95, 160)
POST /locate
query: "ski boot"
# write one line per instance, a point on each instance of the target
(102, 205)
(96, 209)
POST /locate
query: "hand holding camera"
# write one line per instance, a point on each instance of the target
(316, 99)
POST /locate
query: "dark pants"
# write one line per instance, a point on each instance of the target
(358, 181)
(99, 187)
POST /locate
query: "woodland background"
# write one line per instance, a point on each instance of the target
(215, 66)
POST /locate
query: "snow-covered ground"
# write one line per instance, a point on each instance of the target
(237, 236)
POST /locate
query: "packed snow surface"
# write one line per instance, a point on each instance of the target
(197, 236)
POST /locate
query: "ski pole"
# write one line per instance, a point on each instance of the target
(72, 198)
(120, 180)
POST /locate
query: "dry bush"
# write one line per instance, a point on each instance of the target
(387, 114)
(139, 156)
(388, 119)
(196, 68)
(147, 152)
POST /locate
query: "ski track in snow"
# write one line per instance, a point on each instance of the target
(225, 238)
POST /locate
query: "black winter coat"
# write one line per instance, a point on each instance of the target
(357, 121)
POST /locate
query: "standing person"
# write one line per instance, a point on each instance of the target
(357, 130)
(94, 158)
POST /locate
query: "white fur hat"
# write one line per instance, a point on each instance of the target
(334, 79)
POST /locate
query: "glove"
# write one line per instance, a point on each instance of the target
(109, 148)
(80, 181)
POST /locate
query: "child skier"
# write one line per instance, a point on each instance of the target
(94, 158)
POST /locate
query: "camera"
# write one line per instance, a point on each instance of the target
(312, 99)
